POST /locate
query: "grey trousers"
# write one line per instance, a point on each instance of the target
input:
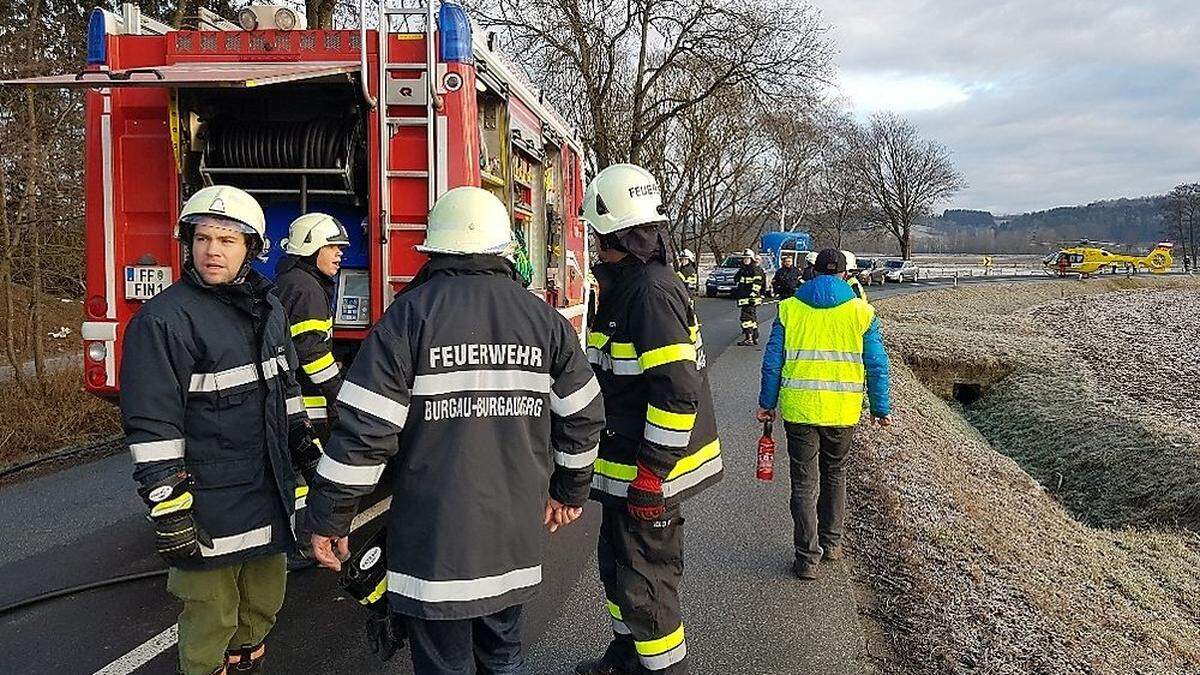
(818, 471)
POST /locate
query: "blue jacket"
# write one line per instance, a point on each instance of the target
(826, 291)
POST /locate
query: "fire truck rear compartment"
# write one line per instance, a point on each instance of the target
(281, 143)
(298, 148)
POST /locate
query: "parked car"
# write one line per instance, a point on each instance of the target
(900, 270)
(720, 280)
(870, 271)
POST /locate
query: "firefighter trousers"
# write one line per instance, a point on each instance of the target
(641, 564)
(749, 318)
(225, 608)
(487, 645)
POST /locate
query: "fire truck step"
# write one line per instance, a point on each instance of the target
(409, 65)
(400, 279)
(408, 121)
(408, 174)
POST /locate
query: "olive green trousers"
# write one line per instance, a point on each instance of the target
(226, 608)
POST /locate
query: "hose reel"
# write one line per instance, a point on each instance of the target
(322, 157)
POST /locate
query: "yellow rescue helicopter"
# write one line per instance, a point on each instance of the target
(1086, 259)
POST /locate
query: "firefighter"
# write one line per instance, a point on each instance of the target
(786, 279)
(810, 270)
(214, 420)
(851, 275)
(687, 269)
(481, 395)
(825, 344)
(750, 282)
(305, 278)
(660, 444)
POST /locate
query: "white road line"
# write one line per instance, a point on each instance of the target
(143, 653)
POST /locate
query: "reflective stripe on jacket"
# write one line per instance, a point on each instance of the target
(751, 283)
(480, 395)
(307, 296)
(207, 387)
(648, 355)
(823, 373)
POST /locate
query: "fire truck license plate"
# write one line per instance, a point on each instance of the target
(143, 283)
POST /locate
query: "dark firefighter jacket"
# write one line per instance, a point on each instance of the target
(307, 296)
(480, 395)
(751, 281)
(688, 274)
(207, 386)
(646, 349)
(785, 282)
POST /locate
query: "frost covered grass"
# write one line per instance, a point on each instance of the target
(974, 566)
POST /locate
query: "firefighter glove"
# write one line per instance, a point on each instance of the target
(386, 633)
(306, 450)
(176, 534)
(645, 497)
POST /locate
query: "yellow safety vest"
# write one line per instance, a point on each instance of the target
(858, 288)
(823, 373)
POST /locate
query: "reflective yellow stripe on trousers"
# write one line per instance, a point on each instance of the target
(663, 652)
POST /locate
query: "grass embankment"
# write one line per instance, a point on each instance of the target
(973, 566)
(51, 417)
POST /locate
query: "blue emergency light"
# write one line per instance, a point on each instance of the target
(97, 38)
(455, 27)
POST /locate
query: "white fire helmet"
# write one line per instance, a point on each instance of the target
(851, 261)
(468, 220)
(687, 254)
(235, 208)
(313, 231)
(620, 197)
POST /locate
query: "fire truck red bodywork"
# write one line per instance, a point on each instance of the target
(134, 185)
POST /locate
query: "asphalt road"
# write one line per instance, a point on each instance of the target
(85, 524)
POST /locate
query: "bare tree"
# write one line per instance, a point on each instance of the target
(617, 67)
(839, 203)
(1181, 215)
(903, 174)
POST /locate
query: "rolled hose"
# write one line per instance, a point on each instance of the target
(72, 590)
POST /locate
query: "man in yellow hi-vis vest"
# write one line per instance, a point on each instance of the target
(824, 347)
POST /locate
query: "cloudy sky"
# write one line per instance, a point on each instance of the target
(1043, 102)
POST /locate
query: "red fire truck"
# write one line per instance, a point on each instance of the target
(368, 125)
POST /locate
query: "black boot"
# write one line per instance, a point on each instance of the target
(745, 341)
(619, 659)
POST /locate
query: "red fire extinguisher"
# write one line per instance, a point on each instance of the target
(766, 454)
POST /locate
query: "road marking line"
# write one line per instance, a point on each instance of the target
(143, 653)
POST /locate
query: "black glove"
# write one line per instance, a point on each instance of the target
(364, 577)
(176, 534)
(386, 632)
(305, 449)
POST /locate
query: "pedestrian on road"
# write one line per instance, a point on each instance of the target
(505, 420)
(751, 282)
(660, 443)
(687, 271)
(824, 345)
(214, 420)
(306, 278)
(786, 279)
